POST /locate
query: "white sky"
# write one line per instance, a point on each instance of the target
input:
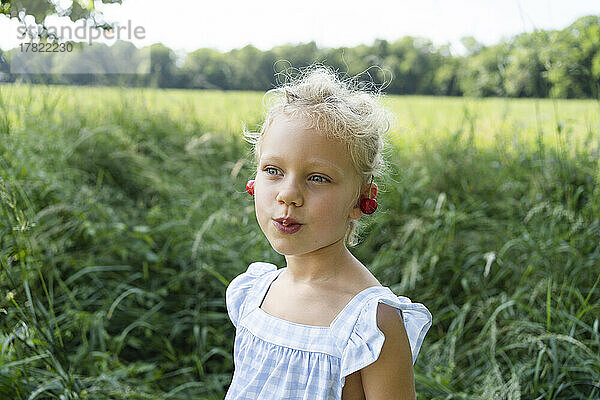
(226, 24)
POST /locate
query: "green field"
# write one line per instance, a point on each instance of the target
(123, 216)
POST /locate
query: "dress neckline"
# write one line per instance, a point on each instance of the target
(267, 286)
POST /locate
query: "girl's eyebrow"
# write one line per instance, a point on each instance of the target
(313, 161)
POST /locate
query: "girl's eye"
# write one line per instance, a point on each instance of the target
(322, 178)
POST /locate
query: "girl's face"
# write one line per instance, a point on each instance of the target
(303, 175)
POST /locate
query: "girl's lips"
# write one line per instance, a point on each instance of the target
(287, 229)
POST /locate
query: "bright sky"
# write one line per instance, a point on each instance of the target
(226, 24)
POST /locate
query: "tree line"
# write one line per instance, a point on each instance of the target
(545, 63)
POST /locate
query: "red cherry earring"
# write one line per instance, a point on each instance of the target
(368, 206)
(250, 187)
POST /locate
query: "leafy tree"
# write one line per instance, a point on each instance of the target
(40, 9)
(472, 45)
(445, 70)
(482, 74)
(299, 56)
(560, 63)
(525, 70)
(584, 55)
(252, 70)
(163, 72)
(411, 60)
(338, 58)
(207, 69)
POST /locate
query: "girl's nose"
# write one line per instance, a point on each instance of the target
(290, 193)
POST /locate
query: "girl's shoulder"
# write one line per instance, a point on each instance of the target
(360, 335)
(241, 287)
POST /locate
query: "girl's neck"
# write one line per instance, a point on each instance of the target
(324, 265)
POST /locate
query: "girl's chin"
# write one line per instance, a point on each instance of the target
(284, 244)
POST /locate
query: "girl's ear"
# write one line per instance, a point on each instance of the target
(355, 213)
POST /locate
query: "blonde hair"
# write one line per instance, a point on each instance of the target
(340, 109)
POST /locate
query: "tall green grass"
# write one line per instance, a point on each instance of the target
(124, 216)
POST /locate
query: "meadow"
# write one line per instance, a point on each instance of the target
(124, 215)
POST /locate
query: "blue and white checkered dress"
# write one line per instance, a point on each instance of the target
(278, 359)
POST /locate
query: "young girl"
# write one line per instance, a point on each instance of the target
(323, 327)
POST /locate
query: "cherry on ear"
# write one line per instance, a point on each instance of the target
(373, 192)
(250, 187)
(368, 206)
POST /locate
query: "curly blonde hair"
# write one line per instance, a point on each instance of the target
(341, 109)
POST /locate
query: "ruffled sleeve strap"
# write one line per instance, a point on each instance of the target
(366, 340)
(239, 288)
